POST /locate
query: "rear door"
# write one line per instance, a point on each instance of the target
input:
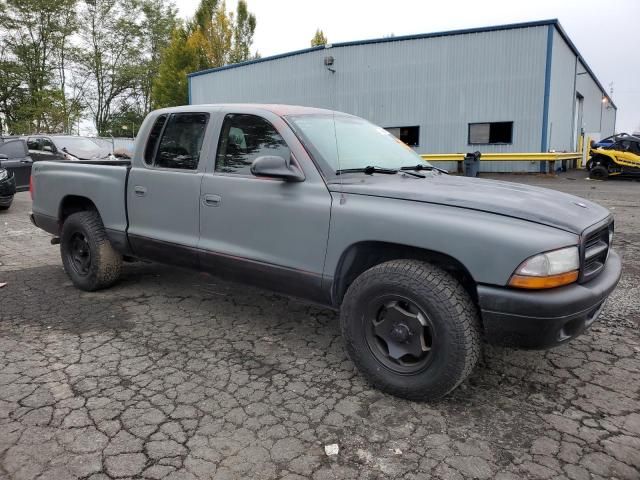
(17, 161)
(163, 190)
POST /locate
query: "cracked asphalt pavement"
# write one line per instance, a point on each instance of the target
(178, 375)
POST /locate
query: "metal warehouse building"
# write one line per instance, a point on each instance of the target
(512, 88)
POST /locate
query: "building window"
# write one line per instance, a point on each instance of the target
(488, 133)
(409, 135)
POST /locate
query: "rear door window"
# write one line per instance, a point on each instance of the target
(181, 141)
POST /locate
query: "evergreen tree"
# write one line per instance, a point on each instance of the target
(319, 39)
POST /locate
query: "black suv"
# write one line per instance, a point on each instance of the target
(15, 169)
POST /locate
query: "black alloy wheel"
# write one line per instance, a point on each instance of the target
(80, 254)
(399, 334)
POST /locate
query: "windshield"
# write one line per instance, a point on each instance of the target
(77, 143)
(345, 142)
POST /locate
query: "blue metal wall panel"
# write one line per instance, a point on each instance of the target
(441, 84)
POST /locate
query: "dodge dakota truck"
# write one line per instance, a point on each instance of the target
(423, 266)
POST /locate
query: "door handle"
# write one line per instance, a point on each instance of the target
(140, 191)
(212, 200)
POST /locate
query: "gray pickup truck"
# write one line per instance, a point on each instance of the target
(327, 207)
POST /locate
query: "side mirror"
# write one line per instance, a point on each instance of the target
(276, 167)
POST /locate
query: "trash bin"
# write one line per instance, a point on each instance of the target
(472, 164)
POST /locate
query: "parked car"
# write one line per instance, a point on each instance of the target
(15, 158)
(620, 158)
(7, 188)
(65, 147)
(330, 208)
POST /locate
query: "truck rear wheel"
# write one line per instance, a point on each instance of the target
(411, 329)
(87, 254)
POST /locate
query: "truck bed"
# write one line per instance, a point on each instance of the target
(56, 183)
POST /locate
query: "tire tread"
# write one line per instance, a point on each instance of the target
(438, 287)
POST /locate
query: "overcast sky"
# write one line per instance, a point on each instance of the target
(606, 32)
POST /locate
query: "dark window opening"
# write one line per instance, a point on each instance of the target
(408, 135)
(154, 136)
(245, 138)
(181, 141)
(487, 133)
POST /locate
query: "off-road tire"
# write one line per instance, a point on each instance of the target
(450, 309)
(105, 264)
(598, 172)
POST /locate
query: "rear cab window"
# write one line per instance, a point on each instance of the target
(175, 141)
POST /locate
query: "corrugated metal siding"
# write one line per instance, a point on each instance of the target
(596, 119)
(608, 122)
(562, 96)
(441, 84)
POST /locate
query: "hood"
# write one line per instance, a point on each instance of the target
(539, 205)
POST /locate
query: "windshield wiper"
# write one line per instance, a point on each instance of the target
(369, 170)
(421, 166)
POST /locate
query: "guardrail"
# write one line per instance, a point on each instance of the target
(551, 158)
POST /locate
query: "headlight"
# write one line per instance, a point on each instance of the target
(3, 174)
(548, 270)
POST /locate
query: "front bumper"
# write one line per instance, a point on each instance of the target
(5, 201)
(8, 186)
(542, 319)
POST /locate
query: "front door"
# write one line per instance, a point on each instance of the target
(163, 191)
(268, 232)
(42, 148)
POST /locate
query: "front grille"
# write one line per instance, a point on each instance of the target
(595, 250)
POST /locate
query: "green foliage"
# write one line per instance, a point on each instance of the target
(111, 59)
(213, 38)
(319, 38)
(243, 30)
(34, 34)
(178, 59)
(110, 56)
(158, 23)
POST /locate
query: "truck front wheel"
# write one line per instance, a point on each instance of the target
(411, 329)
(87, 254)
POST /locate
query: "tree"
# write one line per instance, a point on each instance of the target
(110, 57)
(213, 38)
(178, 59)
(319, 39)
(158, 22)
(34, 37)
(243, 30)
